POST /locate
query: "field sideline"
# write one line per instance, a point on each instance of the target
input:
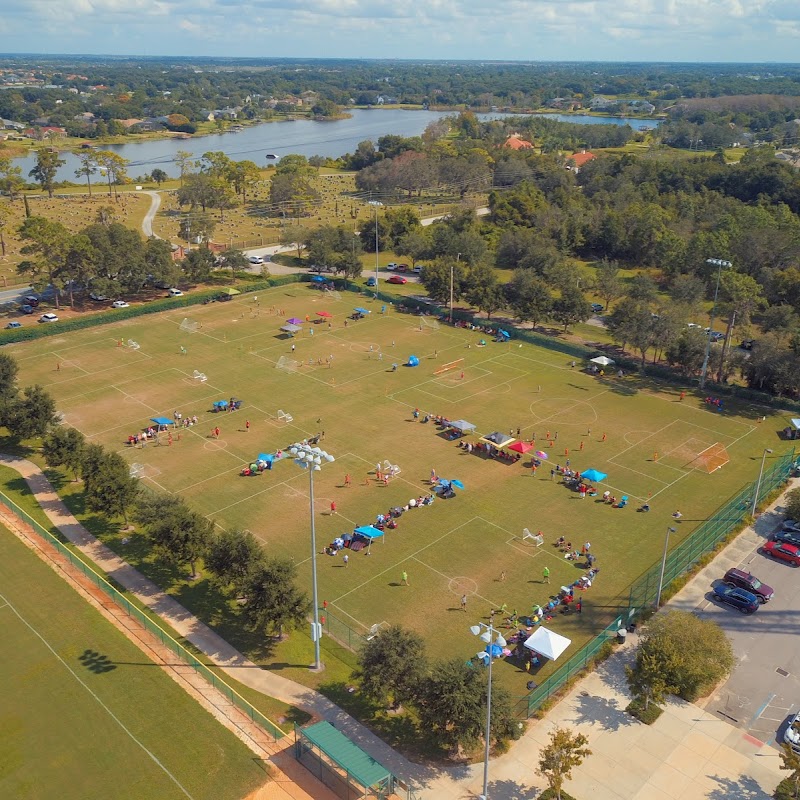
(644, 436)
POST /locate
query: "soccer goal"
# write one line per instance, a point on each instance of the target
(188, 326)
(430, 322)
(133, 345)
(375, 630)
(712, 458)
(535, 539)
(334, 295)
(287, 364)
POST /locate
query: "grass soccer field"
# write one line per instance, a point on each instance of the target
(85, 714)
(652, 445)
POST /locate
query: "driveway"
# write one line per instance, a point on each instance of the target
(765, 685)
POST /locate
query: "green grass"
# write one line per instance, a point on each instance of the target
(85, 713)
(452, 547)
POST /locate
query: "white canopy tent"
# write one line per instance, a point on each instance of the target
(547, 643)
(602, 361)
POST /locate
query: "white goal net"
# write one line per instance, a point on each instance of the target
(287, 364)
(188, 326)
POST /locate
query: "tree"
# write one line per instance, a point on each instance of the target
(5, 218)
(29, 414)
(294, 190)
(112, 490)
(91, 461)
(114, 166)
(244, 175)
(792, 504)
(294, 236)
(183, 160)
(742, 295)
(416, 244)
(483, 290)
(392, 666)
(198, 264)
(689, 351)
(705, 655)
(633, 323)
(608, 283)
(436, 279)
(571, 307)
(8, 377)
(87, 168)
(11, 181)
(565, 751)
(231, 556)
(235, 259)
(48, 242)
(179, 535)
(48, 162)
(274, 601)
(159, 176)
(452, 706)
(789, 788)
(63, 447)
(647, 678)
(529, 297)
(782, 320)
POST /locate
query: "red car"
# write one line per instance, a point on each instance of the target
(789, 553)
(397, 279)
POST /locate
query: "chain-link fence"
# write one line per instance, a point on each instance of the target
(342, 632)
(149, 624)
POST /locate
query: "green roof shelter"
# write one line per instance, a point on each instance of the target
(341, 764)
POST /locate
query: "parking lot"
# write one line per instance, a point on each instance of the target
(764, 689)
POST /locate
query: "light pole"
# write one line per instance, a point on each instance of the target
(719, 263)
(488, 636)
(458, 259)
(375, 204)
(764, 455)
(663, 566)
(311, 458)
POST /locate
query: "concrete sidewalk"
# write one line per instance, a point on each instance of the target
(687, 753)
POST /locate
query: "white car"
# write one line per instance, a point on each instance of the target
(98, 298)
(119, 304)
(391, 266)
(692, 325)
(175, 293)
(48, 318)
(792, 735)
(256, 260)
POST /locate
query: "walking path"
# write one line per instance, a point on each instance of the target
(147, 222)
(688, 753)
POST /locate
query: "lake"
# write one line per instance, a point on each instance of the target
(304, 136)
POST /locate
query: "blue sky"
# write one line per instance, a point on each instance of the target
(581, 30)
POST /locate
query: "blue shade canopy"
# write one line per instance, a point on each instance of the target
(594, 475)
(362, 310)
(370, 531)
(161, 420)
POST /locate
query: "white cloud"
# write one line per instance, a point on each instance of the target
(675, 30)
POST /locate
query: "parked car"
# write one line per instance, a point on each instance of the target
(13, 325)
(402, 268)
(174, 293)
(692, 325)
(256, 260)
(119, 304)
(792, 735)
(397, 279)
(744, 580)
(98, 298)
(789, 553)
(716, 336)
(737, 598)
(31, 300)
(391, 266)
(26, 309)
(372, 281)
(747, 344)
(787, 537)
(791, 525)
(222, 298)
(597, 307)
(48, 318)
(418, 269)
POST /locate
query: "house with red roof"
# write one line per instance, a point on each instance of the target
(516, 142)
(577, 160)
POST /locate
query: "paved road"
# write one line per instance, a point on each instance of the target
(765, 685)
(147, 222)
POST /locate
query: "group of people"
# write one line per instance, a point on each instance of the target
(714, 401)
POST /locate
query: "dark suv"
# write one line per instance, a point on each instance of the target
(744, 580)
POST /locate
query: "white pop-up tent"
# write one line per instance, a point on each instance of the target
(547, 643)
(602, 361)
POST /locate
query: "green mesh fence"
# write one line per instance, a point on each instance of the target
(153, 627)
(342, 632)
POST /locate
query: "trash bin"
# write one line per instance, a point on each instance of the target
(621, 635)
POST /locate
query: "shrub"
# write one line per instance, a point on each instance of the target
(636, 708)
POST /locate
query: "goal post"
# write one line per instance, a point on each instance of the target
(459, 362)
(287, 364)
(712, 458)
(188, 326)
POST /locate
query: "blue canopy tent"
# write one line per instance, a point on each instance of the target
(594, 475)
(162, 421)
(361, 310)
(502, 336)
(368, 532)
(318, 279)
(413, 361)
